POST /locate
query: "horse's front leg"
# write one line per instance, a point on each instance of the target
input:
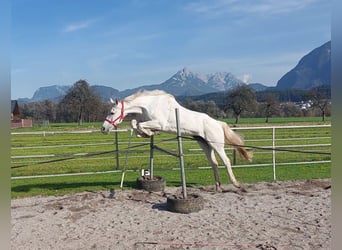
(149, 127)
(139, 133)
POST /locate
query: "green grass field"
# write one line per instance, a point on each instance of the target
(34, 152)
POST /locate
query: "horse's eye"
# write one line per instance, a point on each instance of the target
(112, 113)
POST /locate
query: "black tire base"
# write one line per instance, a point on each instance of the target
(157, 184)
(193, 203)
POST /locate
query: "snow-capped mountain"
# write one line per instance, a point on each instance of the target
(312, 70)
(223, 81)
(187, 83)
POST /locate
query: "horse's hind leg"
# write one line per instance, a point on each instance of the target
(210, 154)
(220, 151)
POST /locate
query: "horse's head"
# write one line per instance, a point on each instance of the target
(115, 117)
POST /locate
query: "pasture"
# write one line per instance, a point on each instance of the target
(64, 149)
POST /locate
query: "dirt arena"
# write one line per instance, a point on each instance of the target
(281, 215)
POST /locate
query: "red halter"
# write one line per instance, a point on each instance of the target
(120, 118)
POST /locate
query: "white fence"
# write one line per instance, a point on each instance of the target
(272, 142)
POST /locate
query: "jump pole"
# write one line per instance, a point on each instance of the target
(180, 153)
(116, 149)
(126, 156)
(151, 156)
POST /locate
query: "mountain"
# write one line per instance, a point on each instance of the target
(105, 92)
(186, 83)
(54, 92)
(313, 70)
(258, 86)
(223, 81)
(57, 92)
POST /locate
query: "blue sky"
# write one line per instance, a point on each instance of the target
(126, 44)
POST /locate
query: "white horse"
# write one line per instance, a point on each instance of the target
(155, 111)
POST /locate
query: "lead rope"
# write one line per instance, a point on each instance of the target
(126, 157)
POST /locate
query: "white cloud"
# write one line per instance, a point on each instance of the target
(273, 6)
(245, 78)
(18, 70)
(264, 7)
(72, 27)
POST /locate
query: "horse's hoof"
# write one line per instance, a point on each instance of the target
(218, 189)
(134, 124)
(243, 189)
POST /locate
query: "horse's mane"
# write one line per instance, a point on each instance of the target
(143, 92)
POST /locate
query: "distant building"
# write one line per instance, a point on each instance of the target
(16, 120)
(15, 111)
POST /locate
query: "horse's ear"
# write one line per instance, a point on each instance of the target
(114, 102)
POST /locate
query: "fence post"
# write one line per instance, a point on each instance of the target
(151, 156)
(180, 152)
(126, 158)
(234, 156)
(116, 149)
(273, 154)
(234, 153)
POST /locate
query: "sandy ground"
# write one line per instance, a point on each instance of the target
(281, 215)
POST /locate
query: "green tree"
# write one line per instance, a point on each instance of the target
(320, 101)
(50, 110)
(270, 105)
(208, 107)
(290, 109)
(79, 103)
(27, 110)
(241, 99)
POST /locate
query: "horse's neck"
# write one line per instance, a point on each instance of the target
(132, 108)
(139, 104)
(136, 105)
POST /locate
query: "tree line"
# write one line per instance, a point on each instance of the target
(243, 101)
(81, 104)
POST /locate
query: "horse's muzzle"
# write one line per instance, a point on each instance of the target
(103, 130)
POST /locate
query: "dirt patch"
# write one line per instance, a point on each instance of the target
(281, 215)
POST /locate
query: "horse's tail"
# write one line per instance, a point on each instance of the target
(234, 139)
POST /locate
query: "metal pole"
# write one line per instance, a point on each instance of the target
(273, 154)
(180, 152)
(126, 157)
(234, 153)
(116, 149)
(234, 156)
(151, 156)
